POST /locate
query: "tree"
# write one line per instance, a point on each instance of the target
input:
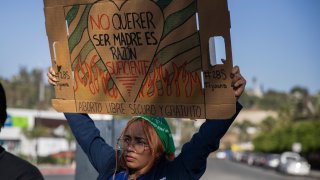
(243, 128)
(317, 104)
(250, 102)
(23, 90)
(268, 124)
(304, 108)
(282, 138)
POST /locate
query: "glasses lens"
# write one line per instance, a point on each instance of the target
(139, 147)
(123, 144)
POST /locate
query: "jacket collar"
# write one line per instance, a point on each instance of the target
(156, 167)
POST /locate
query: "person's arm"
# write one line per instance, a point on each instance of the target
(100, 154)
(194, 153)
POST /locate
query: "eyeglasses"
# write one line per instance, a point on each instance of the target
(138, 145)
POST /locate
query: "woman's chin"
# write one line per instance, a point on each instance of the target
(131, 165)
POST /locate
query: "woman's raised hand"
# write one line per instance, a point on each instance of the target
(52, 77)
(238, 82)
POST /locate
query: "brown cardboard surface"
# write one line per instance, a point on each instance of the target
(133, 57)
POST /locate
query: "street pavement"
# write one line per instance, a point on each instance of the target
(216, 169)
(230, 170)
(52, 170)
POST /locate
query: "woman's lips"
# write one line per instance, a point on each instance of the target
(129, 158)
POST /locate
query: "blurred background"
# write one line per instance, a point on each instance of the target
(275, 43)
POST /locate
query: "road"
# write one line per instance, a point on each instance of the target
(226, 170)
(59, 177)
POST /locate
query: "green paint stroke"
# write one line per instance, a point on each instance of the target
(87, 48)
(194, 64)
(163, 3)
(110, 84)
(169, 52)
(76, 35)
(100, 66)
(178, 18)
(72, 14)
(103, 67)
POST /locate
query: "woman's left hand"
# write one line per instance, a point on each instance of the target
(238, 82)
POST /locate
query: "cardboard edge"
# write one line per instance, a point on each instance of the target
(52, 3)
(64, 105)
(222, 111)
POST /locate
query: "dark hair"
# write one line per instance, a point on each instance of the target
(3, 106)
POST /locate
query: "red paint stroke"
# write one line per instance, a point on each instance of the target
(125, 77)
(128, 83)
(179, 83)
(127, 68)
(102, 22)
(128, 80)
(91, 76)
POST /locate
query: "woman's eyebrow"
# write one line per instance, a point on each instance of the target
(140, 138)
(127, 136)
(135, 137)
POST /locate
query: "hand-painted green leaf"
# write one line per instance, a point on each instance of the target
(72, 14)
(176, 19)
(76, 35)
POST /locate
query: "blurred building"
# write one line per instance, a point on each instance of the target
(256, 90)
(231, 138)
(14, 139)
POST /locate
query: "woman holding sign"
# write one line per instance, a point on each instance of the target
(145, 149)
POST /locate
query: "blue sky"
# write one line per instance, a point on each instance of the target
(276, 41)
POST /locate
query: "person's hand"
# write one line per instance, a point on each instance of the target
(52, 77)
(238, 82)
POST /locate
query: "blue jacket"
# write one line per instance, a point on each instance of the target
(189, 164)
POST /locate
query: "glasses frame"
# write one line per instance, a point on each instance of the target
(133, 144)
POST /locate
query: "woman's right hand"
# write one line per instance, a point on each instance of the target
(52, 77)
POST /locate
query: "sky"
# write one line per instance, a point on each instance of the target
(275, 41)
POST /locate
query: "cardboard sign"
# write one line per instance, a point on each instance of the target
(134, 57)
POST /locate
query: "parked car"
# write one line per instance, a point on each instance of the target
(273, 161)
(292, 163)
(260, 159)
(221, 155)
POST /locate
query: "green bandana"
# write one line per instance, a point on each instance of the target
(162, 128)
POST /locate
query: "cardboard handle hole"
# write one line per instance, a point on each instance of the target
(54, 44)
(217, 50)
(197, 21)
(67, 28)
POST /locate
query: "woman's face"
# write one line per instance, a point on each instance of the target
(137, 153)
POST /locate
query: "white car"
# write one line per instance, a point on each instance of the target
(292, 163)
(273, 161)
(221, 155)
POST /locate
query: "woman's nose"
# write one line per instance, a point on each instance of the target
(130, 148)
